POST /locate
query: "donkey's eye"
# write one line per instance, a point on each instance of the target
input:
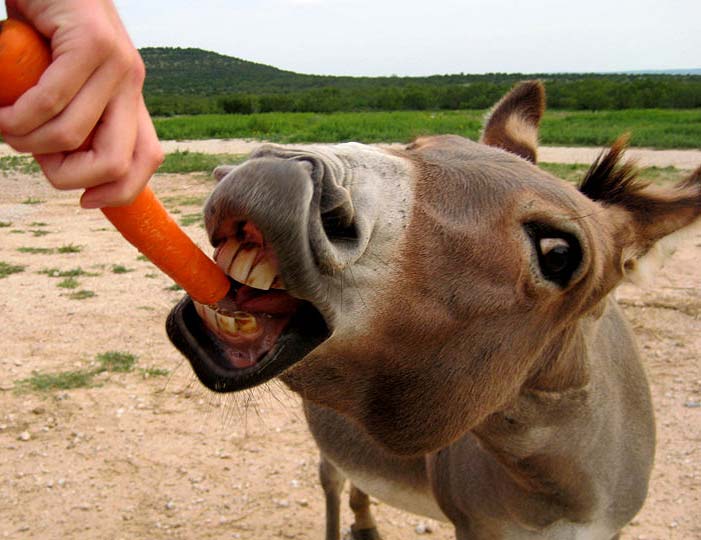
(559, 253)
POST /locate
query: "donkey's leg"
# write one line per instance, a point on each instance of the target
(332, 482)
(364, 527)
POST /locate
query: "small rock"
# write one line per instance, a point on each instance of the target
(692, 404)
(24, 436)
(170, 505)
(303, 503)
(423, 528)
(282, 503)
(294, 483)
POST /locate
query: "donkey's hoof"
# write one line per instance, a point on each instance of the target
(365, 534)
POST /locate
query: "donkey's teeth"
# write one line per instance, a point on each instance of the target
(227, 324)
(237, 324)
(240, 268)
(225, 254)
(262, 276)
(246, 323)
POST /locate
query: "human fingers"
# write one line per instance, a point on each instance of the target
(148, 156)
(68, 130)
(111, 151)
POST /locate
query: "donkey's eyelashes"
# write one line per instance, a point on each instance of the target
(559, 253)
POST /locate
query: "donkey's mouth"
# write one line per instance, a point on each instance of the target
(254, 334)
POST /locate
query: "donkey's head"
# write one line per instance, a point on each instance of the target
(424, 287)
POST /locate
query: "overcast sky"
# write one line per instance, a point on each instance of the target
(385, 37)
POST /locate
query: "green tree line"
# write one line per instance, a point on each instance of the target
(596, 93)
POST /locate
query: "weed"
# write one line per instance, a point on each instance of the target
(153, 372)
(35, 250)
(65, 380)
(69, 283)
(184, 200)
(192, 219)
(32, 200)
(4, 224)
(121, 269)
(39, 232)
(70, 248)
(38, 224)
(81, 295)
(7, 269)
(142, 258)
(116, 362)
(174, 287)
(75, 272)
(22, 164)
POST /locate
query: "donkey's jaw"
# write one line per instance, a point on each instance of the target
(221, 364)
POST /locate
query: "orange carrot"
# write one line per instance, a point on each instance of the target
(145, 223)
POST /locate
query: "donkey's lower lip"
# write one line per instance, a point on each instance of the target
(211, 359)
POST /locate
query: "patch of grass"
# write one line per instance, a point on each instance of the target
(75, 272)
(35, 250)
(70, 248)
(142, 258)
(32, 200)
(151, 275)
(5, 224)
(192, 219)
(69, 283)
(17, 231)
(657, 128)
(81, 295)
(174, 287)
(38, 224)
(107, 362)
(121, 269)
(116, 362)
(39, 232)
(189, 162)
(184, 200)
(65, 380)
(153, 372)
(22, 164)
(7, 269)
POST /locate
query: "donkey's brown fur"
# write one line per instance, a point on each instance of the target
(477, 370)
(531, 411)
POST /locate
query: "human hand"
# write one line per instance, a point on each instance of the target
(94, 82)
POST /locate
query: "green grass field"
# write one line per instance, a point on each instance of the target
(653, 128)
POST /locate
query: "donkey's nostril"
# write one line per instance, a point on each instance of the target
(338, 227)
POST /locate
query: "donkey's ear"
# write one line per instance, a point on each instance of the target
(513, 122)
(645, 217)
(222, 171)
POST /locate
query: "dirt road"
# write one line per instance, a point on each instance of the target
(142, 454)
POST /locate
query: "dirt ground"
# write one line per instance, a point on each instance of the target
(143, 455)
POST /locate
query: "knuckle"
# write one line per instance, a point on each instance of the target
(50, 102)
(102, 40)
(67, 139)
(116, 169)
(138, 69)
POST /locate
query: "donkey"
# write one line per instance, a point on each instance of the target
(445, 312)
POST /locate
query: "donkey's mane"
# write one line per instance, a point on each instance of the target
(612, 181)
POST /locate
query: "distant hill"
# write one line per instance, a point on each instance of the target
(665, 72)
(179, 71)
(194, 81)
